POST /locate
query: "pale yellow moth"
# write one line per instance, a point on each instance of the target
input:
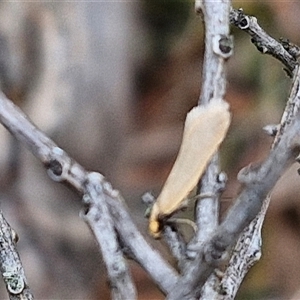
(204, 130)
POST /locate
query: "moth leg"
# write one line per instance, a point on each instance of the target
(183, 221)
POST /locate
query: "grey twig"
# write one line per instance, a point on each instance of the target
(263, 42)
(176, 244)
(292, 106)
(107, 214)
(245, 254)
(62, 168)
(218, 48)
(10, 264)
(163, 274)
(258, 181)
(99, 219)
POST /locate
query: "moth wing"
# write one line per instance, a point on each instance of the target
(204, 130)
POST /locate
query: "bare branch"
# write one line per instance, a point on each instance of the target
(245, 252)
(99, 219)
(258, 181)
(107, 214)
(218, 48)
(263, 42)
(176, 244)
(62, 168)
(10, 264)
(163, 275)
(292, 106)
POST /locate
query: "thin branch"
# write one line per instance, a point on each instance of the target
(99, 219)
(10, 264)
(292, 106)
(176, 244)
(263, 42)
(218, 48)
(245, 254)
(163, 275)
(258, 181)
(62, 168)
(248, 247)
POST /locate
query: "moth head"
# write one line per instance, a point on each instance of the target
(155, 222)
(155, 229)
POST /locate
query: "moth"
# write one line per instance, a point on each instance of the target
(204, 130)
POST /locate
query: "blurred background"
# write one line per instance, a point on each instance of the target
(111, 83)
